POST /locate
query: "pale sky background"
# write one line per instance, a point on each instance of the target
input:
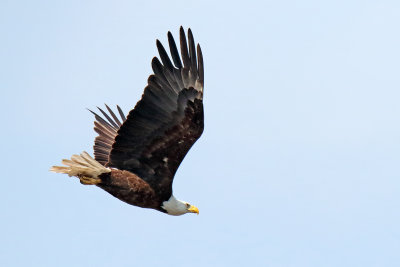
(299, 163)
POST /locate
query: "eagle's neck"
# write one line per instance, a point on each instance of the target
(174, 206)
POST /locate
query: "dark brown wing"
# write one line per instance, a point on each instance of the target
(107, 130)
(167, 121)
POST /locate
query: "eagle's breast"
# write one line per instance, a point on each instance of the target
(130, 188)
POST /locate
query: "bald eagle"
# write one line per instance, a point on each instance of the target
(136, 157)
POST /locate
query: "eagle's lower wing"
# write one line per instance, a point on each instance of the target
(167, 121)
(107, 130)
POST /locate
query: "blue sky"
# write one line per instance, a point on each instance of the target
(298, 164)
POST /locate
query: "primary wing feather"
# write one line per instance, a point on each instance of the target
(165, 123)
(107, 131)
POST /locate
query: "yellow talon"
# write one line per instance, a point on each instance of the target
(89, 181)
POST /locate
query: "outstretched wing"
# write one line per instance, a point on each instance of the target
(107, 130)
(167, 121)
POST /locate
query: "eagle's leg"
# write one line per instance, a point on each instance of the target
(89, 180)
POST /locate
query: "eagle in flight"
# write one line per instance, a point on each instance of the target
(137, 156)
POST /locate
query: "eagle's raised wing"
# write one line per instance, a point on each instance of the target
(164, 124)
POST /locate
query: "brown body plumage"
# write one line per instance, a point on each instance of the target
(129, 188)
(140, 154)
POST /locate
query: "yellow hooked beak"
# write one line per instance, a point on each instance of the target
(193, 209)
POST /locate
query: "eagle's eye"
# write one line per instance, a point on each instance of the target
(187, 205)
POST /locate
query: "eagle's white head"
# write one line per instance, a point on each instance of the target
(177, 207)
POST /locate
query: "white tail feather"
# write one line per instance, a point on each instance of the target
(82, 164)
